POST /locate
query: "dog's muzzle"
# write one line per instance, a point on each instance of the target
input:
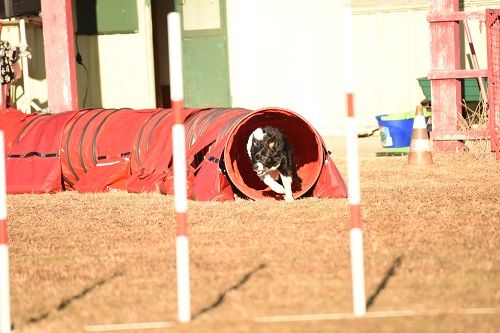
(259, 168)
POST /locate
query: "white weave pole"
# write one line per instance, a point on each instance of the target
(4, 247)
(354, 197)
(179, 161)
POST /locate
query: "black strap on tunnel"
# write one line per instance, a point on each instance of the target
(33, 153)
(103, 157)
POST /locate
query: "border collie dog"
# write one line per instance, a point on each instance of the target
(271, 157)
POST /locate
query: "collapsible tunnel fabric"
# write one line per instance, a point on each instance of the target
(120, 149)
(11, 123)
(96, 150)
(32, 151)
(98, 146)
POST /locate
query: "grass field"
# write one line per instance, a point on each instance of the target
(431, 244)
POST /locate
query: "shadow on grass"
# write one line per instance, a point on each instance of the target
(223, 294)
(67, 301)
(390, 273)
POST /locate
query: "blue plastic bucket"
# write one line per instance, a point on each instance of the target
(396, 129)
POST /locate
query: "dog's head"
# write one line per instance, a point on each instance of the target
(265, 148)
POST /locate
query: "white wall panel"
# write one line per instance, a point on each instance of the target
(285, 53)
(288, 53)
(391, 52)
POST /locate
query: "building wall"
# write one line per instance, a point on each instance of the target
(391, 51)
(283, 53)
(288, 53)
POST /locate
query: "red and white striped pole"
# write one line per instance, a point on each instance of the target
(4, 248)
(354, 197)
(179, 161)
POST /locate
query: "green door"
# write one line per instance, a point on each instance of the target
(205, 55)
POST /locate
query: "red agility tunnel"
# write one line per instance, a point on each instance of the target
(309, 153)
(95, 150)
(233, 128)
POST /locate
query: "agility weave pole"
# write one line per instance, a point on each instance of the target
(179, 164)
(4, 247)
(354, 198)
(354, 195)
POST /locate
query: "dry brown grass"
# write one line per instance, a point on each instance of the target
(109, 258)
(475, 118)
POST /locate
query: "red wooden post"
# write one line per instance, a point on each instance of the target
(58, 42)
(493, 38)
(446, 93)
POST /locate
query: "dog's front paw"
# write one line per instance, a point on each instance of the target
(288, 198)
(278, 188)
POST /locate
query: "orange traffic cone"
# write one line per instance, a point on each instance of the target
(420, 146)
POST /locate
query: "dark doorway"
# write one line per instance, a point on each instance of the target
(159, 11)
